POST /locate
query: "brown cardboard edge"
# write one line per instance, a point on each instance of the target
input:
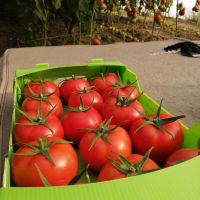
(3, 90)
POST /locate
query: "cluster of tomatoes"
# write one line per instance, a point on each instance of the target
(104, 122)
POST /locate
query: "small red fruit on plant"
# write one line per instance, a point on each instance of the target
(164, 2)
(71, 31)
(132, 165)
(96, 41)
(182, 12)
(182, 155)
(101, 2)
(134, 13)
(158, 18)
(149, 5)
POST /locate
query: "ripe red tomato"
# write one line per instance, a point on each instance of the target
(32, 105)
(72, 85)
(122, 112)
(122, 89)
(101, 150)
(182, 12)
(74, 123)
(101, 2)
(36, 87)
(89, 97)
(64, 169)
(71, 31)
(150, 136)
(101, 83)
(149, 5)
(96, 41)
(158, 18)
(109, 172)
(181, 155)
(164, 2)
(24, 132)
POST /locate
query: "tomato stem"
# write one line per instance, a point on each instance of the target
(125, 100)
(103, 131)
(42, 148)
(157, 122)
(81, 107)
(126, 167)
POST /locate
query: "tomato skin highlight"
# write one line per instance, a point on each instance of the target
(72, 85)
(101, 150)
(109, 172)
(101, 83)
(24, 172)
(32, 105)
(126, 114)
(91, 98)
(74, 123)
(150, 136)
(23, 133)
(49, 88)
(182, 155)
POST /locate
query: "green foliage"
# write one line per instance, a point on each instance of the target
(37, 15)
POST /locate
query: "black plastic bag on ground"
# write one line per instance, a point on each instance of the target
(185, 48)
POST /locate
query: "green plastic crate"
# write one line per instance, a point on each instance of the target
(178, 182)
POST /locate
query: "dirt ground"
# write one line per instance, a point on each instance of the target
(117, 30)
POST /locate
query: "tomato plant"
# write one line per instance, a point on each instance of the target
(89, 97)
(99, 144)
(54, 158)
(161, 131)
(181, 155)
(76, 120)
(132, 165)
(72, 85)
(31, 126)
